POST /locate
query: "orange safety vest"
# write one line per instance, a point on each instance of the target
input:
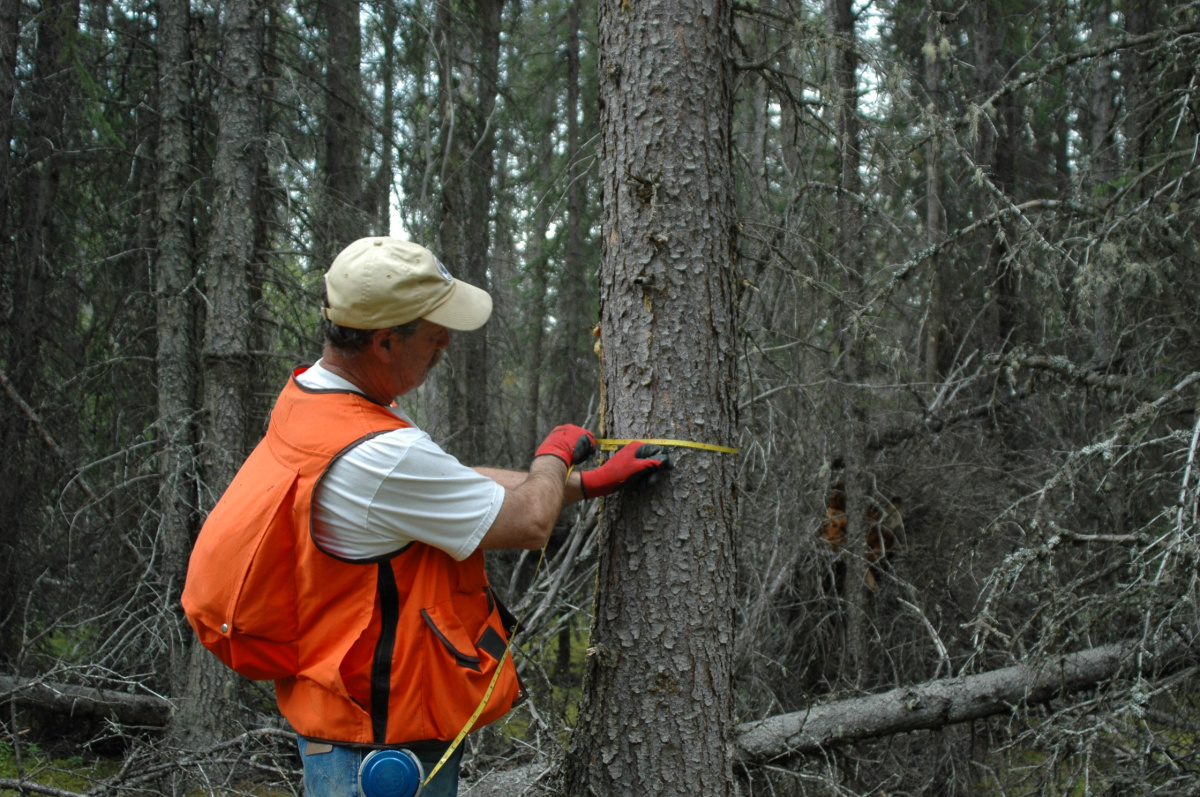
(398, 649)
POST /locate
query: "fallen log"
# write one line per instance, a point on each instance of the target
(87, 701)
(948, 701)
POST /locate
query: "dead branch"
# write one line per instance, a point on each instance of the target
(933, 425)
(36, 422)
(1082, 375)
(1084, 53)
(935, 704)
(28, 786)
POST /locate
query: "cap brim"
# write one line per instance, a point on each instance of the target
(466, 308)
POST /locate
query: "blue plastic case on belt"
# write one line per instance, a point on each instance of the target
(390, 773)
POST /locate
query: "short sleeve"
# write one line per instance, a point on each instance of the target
(399, 487)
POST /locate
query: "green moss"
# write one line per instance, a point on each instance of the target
(74, 773)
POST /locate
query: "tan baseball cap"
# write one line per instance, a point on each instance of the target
(376, 283)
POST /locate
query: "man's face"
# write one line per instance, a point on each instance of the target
(419, 354)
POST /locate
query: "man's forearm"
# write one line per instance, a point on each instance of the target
(511, 479)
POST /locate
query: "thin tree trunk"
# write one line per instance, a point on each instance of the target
(574, 361)
(1105, 169)
(12, 496)
(656, 715)
(343, 217)
(175, 269)
(851, 366)
(207, 713)
(10, 21)
(470, 40)
(381, 199)
(935, 214)
(996, 153)
(1137, 93)
(537, 268)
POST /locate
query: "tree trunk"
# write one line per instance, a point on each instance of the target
(207, 712)
(850, 368)
(573, 358)
(1137, 93)
(10, 29)
(656, 715)
(12, 495)
(33, 248)
(175, 270)
(996, 154)
(470, 40)
(536, 269)
(343, 216)
(1104, 170)
(935, 214)
(380, 200)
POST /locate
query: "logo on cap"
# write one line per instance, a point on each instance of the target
(445, 271)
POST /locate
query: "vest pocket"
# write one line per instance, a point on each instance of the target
(449, 630)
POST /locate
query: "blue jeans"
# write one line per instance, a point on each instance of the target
(335, 773)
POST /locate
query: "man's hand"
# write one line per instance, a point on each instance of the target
(632, 467)
(572, 444)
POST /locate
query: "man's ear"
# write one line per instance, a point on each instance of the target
(381, 344)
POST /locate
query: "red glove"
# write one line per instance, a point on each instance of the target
(633, 466)
(572, 444)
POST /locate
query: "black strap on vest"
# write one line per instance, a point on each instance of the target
(381, 666)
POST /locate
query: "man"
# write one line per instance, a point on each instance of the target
(345, 561)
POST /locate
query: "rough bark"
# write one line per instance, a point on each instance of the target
(469, 45)
(175, 270)
(656, 712)
(207, 713)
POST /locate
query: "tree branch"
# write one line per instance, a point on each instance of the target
(40, 428)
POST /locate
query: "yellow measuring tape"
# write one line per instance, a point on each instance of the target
(609, 444)
(605, 444)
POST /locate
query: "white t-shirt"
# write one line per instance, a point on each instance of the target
(395, 488)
